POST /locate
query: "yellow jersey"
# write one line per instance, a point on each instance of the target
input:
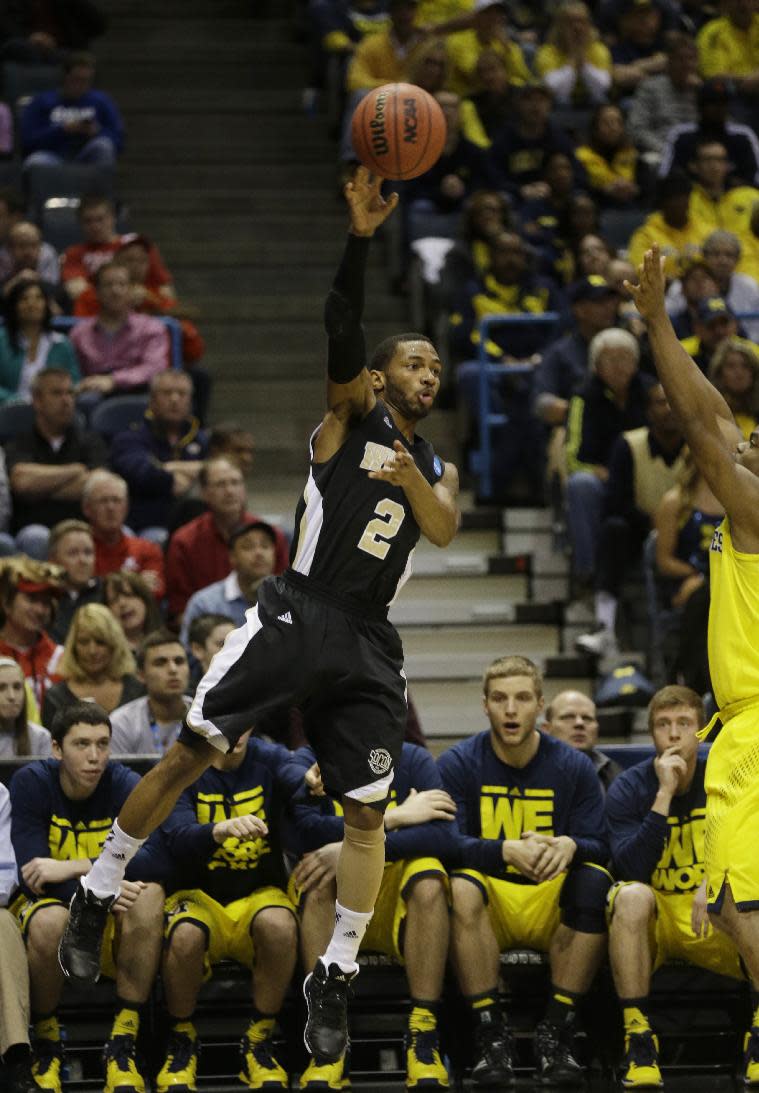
(464, 49)
(724, 50)
(730, 212)
(677, 244)
(733, 620)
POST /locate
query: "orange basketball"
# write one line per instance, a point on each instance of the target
(398, 131)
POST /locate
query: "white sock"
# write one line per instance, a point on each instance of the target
(350, 927)
(106, 875)
(606, 610)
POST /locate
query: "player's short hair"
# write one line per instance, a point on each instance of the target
(385, 351)
(675, 695)
(505, 667)
(202, 626)
(161, 636)
(78, 713)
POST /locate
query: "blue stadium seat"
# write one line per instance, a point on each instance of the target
(66, 180)
(617, 225)
(21, 80)
(15, 418)
(113, 415)
(59, 222)
(10, 174)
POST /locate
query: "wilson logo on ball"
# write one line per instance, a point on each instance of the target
(379, 137)
(398, 131)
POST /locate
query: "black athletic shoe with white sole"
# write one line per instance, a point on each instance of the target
(326, 992)
(79, 948)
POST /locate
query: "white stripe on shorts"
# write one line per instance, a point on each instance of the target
(375, 791)
(232, 649)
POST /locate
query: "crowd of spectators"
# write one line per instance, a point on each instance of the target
(576, 135)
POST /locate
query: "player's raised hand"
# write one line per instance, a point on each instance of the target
(648, 294)
(239, 827)
(368, 208)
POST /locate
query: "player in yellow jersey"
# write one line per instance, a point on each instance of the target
(731, 468)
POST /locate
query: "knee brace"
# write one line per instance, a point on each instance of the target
(583, 898)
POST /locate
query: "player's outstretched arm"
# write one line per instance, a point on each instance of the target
(690, 394)
(705, 417)
(349, 390)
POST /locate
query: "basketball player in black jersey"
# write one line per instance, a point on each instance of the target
(319, 636)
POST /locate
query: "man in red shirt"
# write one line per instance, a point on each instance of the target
(81, 262)
(105, 500)
(28, 590)
(198, 552)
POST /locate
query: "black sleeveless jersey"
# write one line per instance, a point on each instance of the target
(355, 535)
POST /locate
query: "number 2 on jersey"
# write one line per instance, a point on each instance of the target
(385, 526)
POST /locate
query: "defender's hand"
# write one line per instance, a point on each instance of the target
(368, 208)
(648, 294)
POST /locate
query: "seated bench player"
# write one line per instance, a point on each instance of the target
(529, 811)
(655, 814)
(229, 903)
(411, 916)
(62, 810)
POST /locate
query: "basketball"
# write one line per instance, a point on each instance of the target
(398, 131)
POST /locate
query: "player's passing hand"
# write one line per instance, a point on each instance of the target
(368, 208)
(245, 828)
(399, 468)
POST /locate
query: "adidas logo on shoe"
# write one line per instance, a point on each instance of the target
(287, 617)
(350, 933)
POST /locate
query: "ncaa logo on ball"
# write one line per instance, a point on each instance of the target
(410, 122)
(380, 761)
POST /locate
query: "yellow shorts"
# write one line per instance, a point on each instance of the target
(25, 909)
(522, 915)
(732, 813)
(384, 934)
(226, 926)
(671, 936)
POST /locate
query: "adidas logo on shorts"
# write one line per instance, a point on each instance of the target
(287, 617)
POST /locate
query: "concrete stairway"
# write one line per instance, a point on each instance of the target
(237, 185)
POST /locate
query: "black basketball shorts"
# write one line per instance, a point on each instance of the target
(343, 670)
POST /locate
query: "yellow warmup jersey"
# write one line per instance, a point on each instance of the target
(733, 620)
